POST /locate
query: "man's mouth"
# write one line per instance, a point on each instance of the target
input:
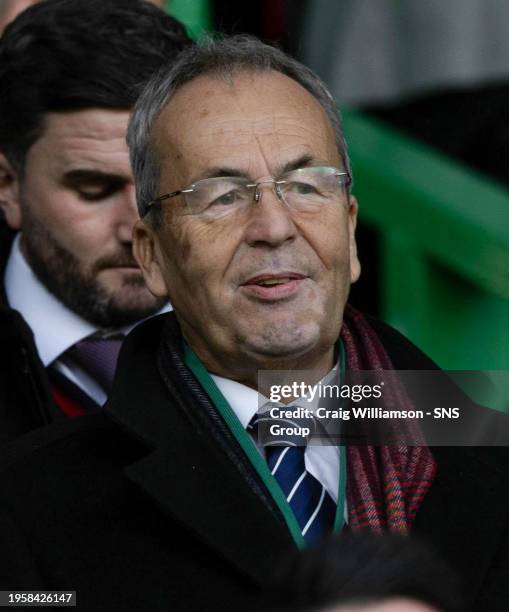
(268, 280)
(273, 286)
(121, 260)
(113, 265)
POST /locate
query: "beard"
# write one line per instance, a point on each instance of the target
(78, 288)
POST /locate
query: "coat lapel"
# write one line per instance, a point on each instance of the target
(186, 472)
(197, 489)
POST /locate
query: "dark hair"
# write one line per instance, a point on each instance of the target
(363, 569)
(68, 55)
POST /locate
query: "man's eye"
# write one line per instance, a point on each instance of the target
(227, 199)
(94, 194)
(301, 188)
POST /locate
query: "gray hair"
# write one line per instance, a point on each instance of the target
(225, 58)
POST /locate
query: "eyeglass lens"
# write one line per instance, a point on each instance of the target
(302, 189)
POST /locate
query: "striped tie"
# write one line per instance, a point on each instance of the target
(312, 506)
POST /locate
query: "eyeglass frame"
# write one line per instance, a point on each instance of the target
(256, 184)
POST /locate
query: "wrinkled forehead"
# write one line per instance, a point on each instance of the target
(217, 121)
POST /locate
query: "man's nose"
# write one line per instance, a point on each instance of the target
(270, 220)
(126, 214)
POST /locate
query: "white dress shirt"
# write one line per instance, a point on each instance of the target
(321, 461)
(55, 327)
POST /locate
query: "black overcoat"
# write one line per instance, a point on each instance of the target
(152, 505)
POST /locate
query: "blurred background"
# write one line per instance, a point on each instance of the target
(424, 91)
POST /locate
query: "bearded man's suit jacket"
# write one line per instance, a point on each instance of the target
(31, 395)
(26, 402)
(153, 505)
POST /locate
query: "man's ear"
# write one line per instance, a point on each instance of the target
(9, 194)
(148, 255)
(355, 265)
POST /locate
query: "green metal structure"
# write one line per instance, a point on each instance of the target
(195, 14)
(445, 246)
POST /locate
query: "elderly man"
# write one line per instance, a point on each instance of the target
(166, 500)
(70, 70)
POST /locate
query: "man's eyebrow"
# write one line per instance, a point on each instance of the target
(300, 162)
(221, 171)
(93, 176)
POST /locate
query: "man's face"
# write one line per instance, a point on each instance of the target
(76, 212)
(254, 127)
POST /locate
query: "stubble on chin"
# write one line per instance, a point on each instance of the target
(79, 288)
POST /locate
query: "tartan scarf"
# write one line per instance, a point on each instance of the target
(385, 484)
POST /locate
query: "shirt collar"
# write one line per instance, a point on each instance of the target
(55, 327)
(246, 402)
(242, 399)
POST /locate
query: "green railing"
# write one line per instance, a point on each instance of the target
(195, 14)
(444, 232)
